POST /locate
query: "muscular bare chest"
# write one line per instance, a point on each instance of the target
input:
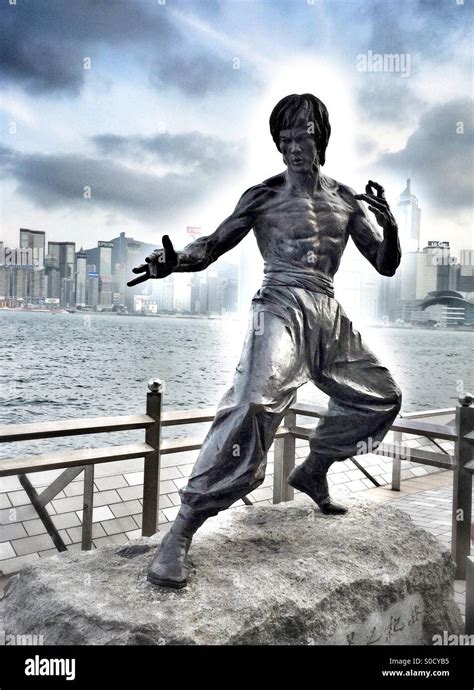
(301, 218)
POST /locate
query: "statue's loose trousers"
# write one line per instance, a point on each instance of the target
(296, 334)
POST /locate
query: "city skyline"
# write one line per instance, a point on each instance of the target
(95, 278)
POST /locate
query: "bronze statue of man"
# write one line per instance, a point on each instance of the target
(298, 332)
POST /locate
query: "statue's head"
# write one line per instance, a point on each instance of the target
(299, 125)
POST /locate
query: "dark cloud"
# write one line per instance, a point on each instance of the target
(197, 75)
(439, 156)
(190, 149)
(388, 98)
(44, 44)
(54, 181)
(415, 26)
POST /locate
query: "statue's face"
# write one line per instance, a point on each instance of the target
(298, 148)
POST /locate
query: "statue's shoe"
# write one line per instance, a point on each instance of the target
(317, 488)
(169, 568)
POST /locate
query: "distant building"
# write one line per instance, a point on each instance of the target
(101, 258)
(36, 241)
(214, 293)
(53, 277)
(20, 279)
(466, 270)
(65, 254)
(92, 286)
(408, 215)
(81, 279)
(126, 254)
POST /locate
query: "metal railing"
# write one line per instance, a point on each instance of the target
(73, 462)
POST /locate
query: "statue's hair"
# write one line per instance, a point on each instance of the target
(302, 108)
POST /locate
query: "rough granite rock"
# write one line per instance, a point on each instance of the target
(282, 574)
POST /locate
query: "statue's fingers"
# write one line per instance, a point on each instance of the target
(368, 188)
(140, 269)
(370, 199)
(140, 279)
(168, 246)
(379, 189)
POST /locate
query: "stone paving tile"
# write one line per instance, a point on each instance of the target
(130, 492)
(20, 513)
(9, 484)
(6, 550)
(13, 565)
(167, 487)
(133, 534)
(175, 499)
(126, 508)
(420, 471)
(34, 527)
(67, 505)
(134, 478)
(165, 501)
(353, 474)
(161, 518)
(66, 520)
(178, 459)
(110, 539)
(180, 483)
(268, 480)
(15, 530)
(261, 494)
(31, 544)
(116, 481)
(103, 498)
(18, 498)
(74, 489)
(171, 513)
(44, 478)
(184, 469)
(101, 513)
(4, 501)
(75, 533)
(356, 485)
(119, 525)
(170, 473)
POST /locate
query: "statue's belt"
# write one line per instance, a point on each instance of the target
(312, 282)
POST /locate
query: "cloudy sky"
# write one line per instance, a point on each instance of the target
(160, 108)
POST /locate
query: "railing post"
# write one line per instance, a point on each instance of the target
(87, 508)
(151, 477)
(462, 487)
(469, 595)
(284, 461)
(397, 462)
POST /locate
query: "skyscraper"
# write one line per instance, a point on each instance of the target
(466, 273)
(81, 278)
(408, 215)
(65, 253)
(34, 240)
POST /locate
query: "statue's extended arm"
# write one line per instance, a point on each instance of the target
(203, 251)
(384, 253)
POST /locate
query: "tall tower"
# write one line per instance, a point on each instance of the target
(81, 278)
(408, 215)
(34, 240)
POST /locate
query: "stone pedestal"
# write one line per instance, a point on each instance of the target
(281, 574)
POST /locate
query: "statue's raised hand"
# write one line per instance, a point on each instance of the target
(159, 263)
(378, 205)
